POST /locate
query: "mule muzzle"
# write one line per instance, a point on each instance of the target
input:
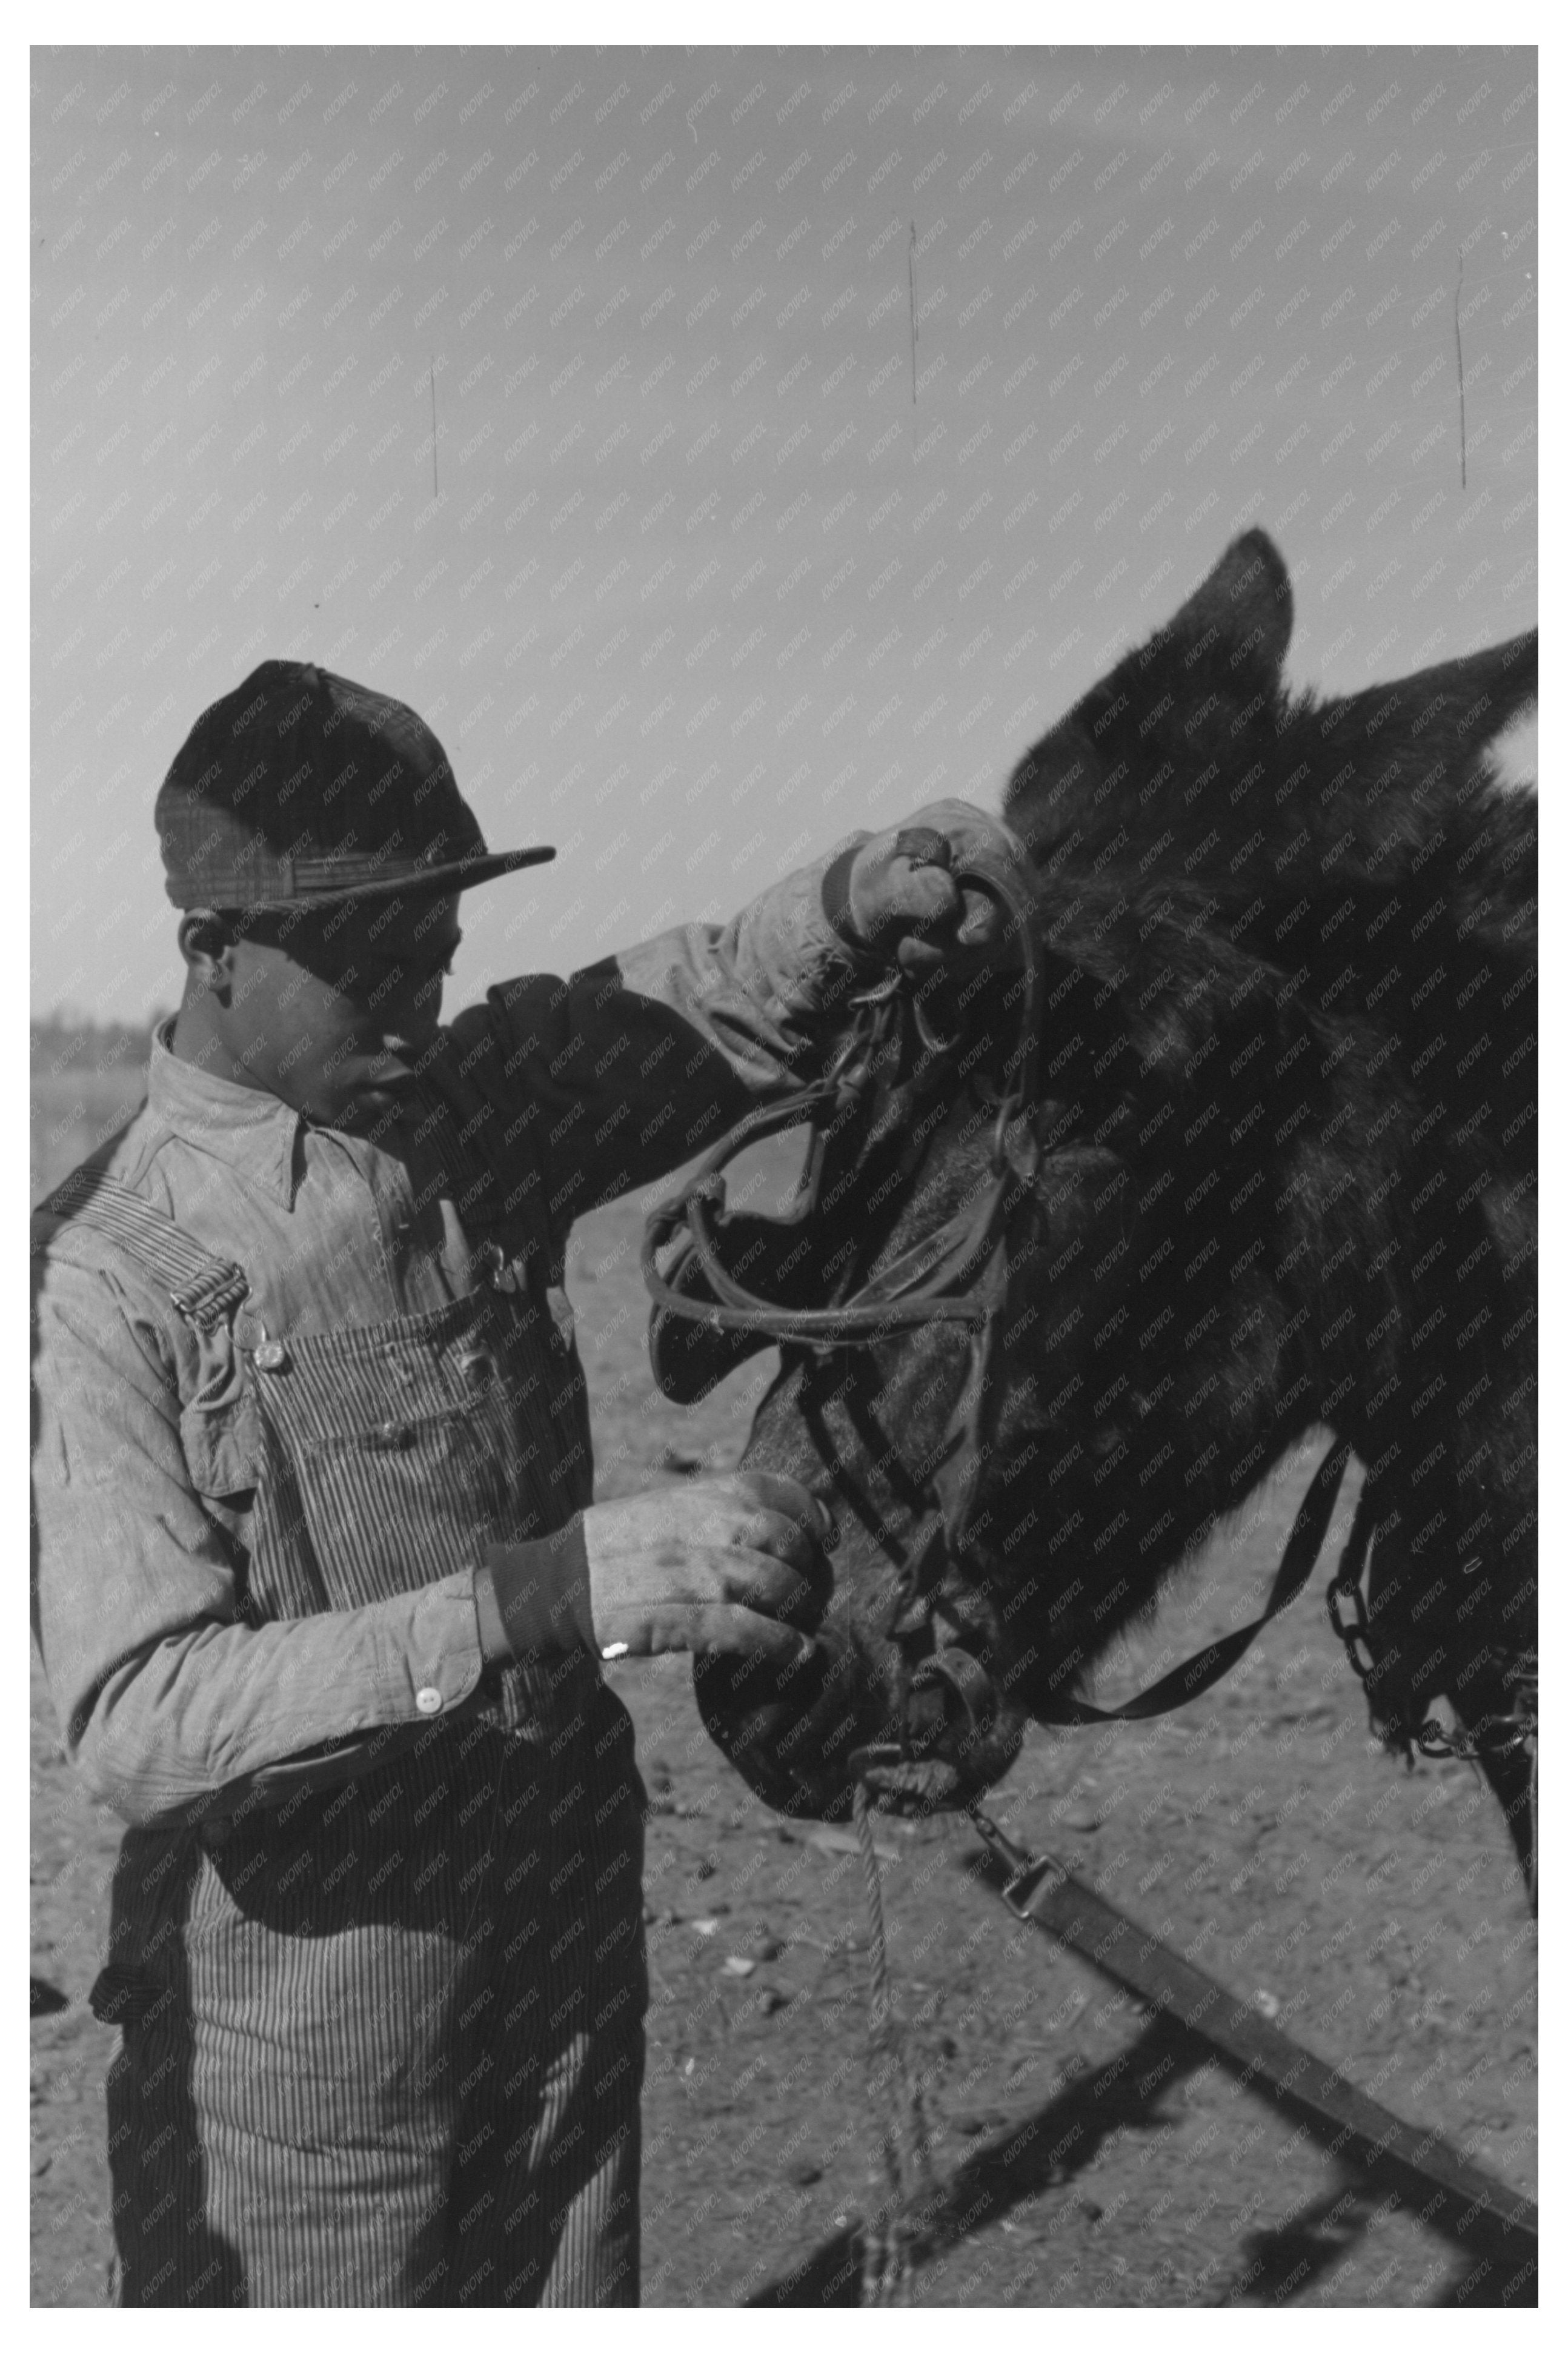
(922, 1743)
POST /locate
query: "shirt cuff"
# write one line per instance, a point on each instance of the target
(836, 904)
(533, 1598)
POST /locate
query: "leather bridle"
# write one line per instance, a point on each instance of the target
(956, 1275)
(925, 1284)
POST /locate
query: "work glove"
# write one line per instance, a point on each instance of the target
(734, 1564)
(892, 898)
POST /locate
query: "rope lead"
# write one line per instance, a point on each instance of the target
(892, 2233)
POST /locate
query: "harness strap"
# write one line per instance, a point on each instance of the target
(1196, 1674)
(204, 1288)
(1041, 1891)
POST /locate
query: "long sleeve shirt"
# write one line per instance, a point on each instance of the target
(577, 1090)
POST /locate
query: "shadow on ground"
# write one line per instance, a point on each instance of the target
(1048, 2148)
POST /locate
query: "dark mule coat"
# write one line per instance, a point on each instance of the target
(1287, 1179)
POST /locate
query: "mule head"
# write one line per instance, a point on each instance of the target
(1285, 1098)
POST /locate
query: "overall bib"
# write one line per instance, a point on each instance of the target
(382, 2044)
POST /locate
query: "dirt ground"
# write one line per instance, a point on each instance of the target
(1089, 2154)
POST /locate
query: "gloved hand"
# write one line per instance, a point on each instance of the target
(733, 1564)
(906, 909)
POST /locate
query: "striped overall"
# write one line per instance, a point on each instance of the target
(382, 2043)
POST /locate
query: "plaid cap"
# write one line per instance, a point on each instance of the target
(303, 788)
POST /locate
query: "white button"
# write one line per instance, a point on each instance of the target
(272, 1356)
(427, 1700)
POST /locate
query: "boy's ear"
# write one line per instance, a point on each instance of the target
(207, 941)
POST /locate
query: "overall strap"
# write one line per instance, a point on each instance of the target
(206, 1289)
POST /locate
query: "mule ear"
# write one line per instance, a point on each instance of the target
(1205, 681)
(1244, 610)
(1438, 720)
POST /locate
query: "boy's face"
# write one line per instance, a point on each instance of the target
(329, 1008)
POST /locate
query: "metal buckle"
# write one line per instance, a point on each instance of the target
(500, 1272)
(1027, 1871)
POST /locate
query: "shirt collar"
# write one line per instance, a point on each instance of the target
(252, 1132)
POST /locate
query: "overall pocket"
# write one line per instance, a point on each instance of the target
(393, 1507)
(294, 1871)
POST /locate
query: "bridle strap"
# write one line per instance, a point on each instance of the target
(925, 1284)
(1196, 1674)
(919, 1286)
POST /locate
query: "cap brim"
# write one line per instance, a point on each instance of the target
(429, 882)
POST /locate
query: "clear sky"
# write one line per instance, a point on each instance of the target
(712, 576)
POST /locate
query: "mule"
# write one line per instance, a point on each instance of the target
(1276, 1174)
